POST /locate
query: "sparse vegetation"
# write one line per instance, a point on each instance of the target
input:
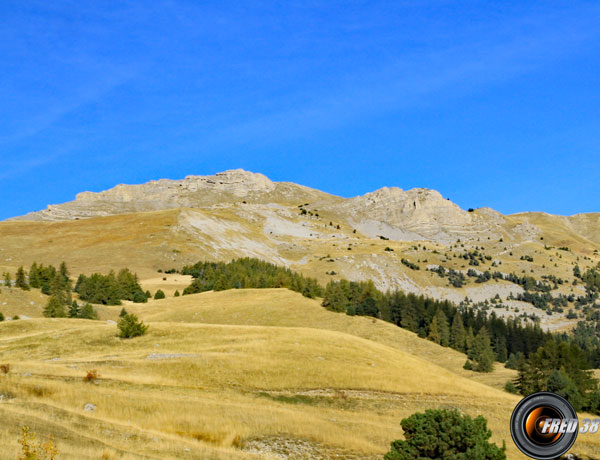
(32, 449)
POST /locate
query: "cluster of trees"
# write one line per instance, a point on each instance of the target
(247, 273)
(475, 257)
(55, 283)
(111, 289)
(456, 278)
(410, 264)
(85, 311)
(562, 368)
(484, 338)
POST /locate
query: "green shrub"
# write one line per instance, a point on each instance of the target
(1, 316)
(445, 434)
(129, 327)
(511, 387)
(159, 295)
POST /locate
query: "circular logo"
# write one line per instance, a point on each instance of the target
(544, 426)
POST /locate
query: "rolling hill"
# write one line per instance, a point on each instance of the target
(235, 374)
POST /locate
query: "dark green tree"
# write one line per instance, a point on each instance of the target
(159, 295)
(21, 279)
(129, 326)
(55, 308)
(34, 280)
(458, 336)
(444, 434)
(88, 312)
(74, 310)
(482, 353)
(438, 329)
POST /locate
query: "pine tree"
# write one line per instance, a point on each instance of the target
(177, 294)
(55, 308)
(34, 279)
(410, 319)
(88, 312)
(7, 281)
(500, 349)
(74, 310)
(123, 313)
(21, 281)
(469, 339)
(458, 336)
(482, 353)
(130, 327)
(159, 295)
(438, 329)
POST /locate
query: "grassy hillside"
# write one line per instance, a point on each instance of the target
(222, 375)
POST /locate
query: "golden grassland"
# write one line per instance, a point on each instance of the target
(218, 371)
(147, 241)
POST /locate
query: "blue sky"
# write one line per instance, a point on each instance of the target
(491, 103)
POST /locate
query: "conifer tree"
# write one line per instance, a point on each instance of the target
(482, 352)
(20, 280)
(7, 281)
(88, 312)
(469, 339)
(458, 336)
(55, 308)
(34, 280)
(410, 319)
(74, 310)
(500, 349)
(438, 329)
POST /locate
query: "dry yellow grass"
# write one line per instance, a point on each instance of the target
(219, 370)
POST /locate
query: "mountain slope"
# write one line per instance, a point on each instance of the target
(382, 236)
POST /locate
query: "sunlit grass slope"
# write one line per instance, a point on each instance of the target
(218, 372)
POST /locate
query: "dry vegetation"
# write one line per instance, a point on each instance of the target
(220, 375)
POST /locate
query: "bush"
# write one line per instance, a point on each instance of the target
(129, 327)
(511, 387)
(91, 376)
(159, 295)
(33, 450)
(177, 294)
(445, 434)
(1, 316)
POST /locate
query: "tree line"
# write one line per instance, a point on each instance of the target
(247, 273)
